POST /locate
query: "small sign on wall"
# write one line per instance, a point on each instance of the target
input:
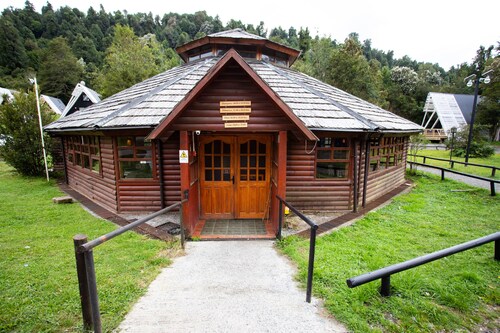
(183, 156)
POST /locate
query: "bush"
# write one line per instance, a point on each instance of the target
(479, 146)
(20, 134)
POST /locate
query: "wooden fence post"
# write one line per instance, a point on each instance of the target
(83, 282)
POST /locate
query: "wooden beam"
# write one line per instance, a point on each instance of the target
(185, 178)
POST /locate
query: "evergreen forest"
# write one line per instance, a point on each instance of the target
(111, 51)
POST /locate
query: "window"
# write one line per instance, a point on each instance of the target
(84, 151)
(332, 158)
(387, 153)
(135, 157)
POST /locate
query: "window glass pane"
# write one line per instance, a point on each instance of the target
(373, 165)
(126, 141)
(96, 165)
(139, 141)
(208, 175)
(340, 155)
(136, 169)
(143, 153)
(86, 161)
(331, 170)
(325, 142)
(341, 142)
(70, 158)
(78, 159)
(324, 154)
(125, 153)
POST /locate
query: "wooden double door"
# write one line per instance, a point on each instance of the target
(235, 174)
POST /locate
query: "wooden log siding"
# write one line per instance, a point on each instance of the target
(306, 192)
(101, 188)
(232, 84)
(171, 170)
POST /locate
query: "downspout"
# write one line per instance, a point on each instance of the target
(160, 173)
(355, 185)
(367, 166)
(64, 161)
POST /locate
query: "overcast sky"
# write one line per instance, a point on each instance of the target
(438, 31)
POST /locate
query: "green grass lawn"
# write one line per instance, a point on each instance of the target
(485, 172)
(38, 284)
(460, 293)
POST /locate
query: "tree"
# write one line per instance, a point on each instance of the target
(20, 132)
(127, 62)
(488, 110)
(60, 70)
(13, 53)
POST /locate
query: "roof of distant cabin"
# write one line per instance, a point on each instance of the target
(80, 89)
(54, 103)
(318, 105)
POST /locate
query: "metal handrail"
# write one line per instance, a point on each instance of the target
(491, 181)
(385, 273)
(86, 269)
(493, 168)
(312, 241)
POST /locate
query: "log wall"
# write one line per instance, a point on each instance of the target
(101, 188)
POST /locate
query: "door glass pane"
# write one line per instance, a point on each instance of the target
(243, 161)
(262, 148)
(253, 161)
(262, 174)
(227, 148)
(226, 175)
(217, 161)
(253, 173)
(253, 147)
(217, 146)
(208, 161)
(243, 174)
(244, 148)
(227, 162)
(262, 161)
(208, 148)
(217, 175)
(208, 175)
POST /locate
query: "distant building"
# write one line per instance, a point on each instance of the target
(81, 97)
(444, 111)
(55, 104)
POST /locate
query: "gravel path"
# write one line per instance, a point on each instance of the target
(460, 178)
(230, 286)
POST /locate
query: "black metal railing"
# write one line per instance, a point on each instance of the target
(312, 241)
(443, 170)
(385, 273)
(86, 269)
(453, 162)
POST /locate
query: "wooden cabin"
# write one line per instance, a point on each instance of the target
(230, 129)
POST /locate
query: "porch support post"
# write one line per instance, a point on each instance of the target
(282, 152)
(184, 145)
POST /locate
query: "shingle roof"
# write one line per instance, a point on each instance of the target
(318, 105)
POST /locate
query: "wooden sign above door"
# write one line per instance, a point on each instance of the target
(235, 113)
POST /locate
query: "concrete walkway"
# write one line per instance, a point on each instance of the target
(229, 286)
